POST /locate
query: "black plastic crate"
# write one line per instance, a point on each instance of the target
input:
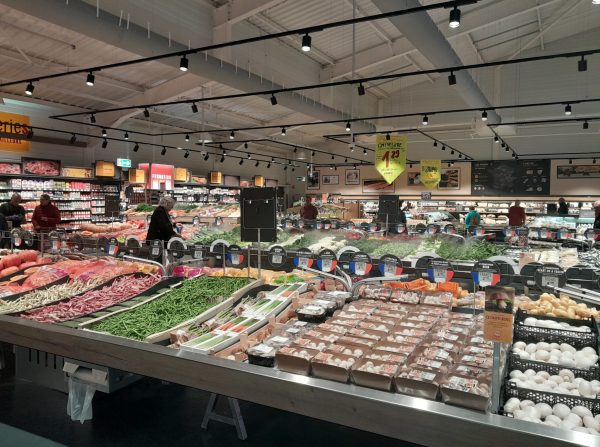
(515, 362)
(534, 334)
(511, 390)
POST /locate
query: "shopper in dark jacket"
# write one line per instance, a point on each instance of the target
(563, 207)
(13, 212)
(597, 210)
(161, 227)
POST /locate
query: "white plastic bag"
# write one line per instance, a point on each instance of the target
(79, 406)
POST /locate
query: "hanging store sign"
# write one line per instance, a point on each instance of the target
(431, 173)
(124, 162)
(159, 177)
(13, 132)
(390, 156)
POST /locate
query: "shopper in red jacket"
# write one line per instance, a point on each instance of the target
(45, 216)
(516, 215)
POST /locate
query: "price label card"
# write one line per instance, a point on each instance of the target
(277, 256)
(360, 264)
(440, 270)
(390, 265)
(17, 241)
(304, 258)
(326, 260)
(155, 251)
(300, 223)
(197, 253)
(350, 226)
(55, 244)
(550, 276)
(590, 234)
(498, 314)
(319, 225)
(235, 255)
(486, 273)
(479, 230)
(450, 229)
(432, 229)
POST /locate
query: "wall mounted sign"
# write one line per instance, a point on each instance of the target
(14, 128)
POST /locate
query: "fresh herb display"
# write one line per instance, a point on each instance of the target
(194, 297)
(400, 249)
(475, 251)
(207, 236)
(144, 208)
(287, 279)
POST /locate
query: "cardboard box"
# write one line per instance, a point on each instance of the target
(384, 381)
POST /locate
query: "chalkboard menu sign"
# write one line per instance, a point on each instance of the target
(500, 178)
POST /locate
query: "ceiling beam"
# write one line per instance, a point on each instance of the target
(473, 21)
(235, 11)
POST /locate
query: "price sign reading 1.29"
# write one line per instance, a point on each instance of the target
(390, 156)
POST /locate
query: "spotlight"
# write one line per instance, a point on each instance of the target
(345, 160)
(146, 113)
(452, 152)
(241, 162)
(513, 155)
(410, 165)
(232, 135)
(496, 139)
(460, 155)
(285, 168)
(295, 149)
(186, 155)
(333, 157)
(451, 78)
(449, 165)
(312, 153)
(249, 157)
(454, 19)
(183, 63)
(568, 109)
(245, 145)
(594, 161)
(361, 89)
(443, 147)
(283, 131)
(164, 151)
(506, 148)
(103, 132)
(136, 147)
(582, 64)
(29, 89)
(273, 100)
(256, 164)
(306, 41)
(206, 157)
(293, 169)
(364, 152)
(92, 118)
(452, 163)
(516, 157)
(586, 125)
(104, 144)
(269, 165)
(484, 115)
(272, 158)
(187, 137)
(73, 138)
(90, 79)
(348, 126)
(194, 108)
(570, 161)
(425, 120)
(126, 136)
(434, 143)
(222, 158)
(387, 136)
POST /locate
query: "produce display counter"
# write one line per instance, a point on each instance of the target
(402, 417)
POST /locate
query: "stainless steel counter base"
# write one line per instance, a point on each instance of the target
(402, 417)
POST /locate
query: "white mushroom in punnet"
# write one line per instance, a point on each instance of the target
(544, 374)
(512, 404)
(530, 321)
(589, 351)
(554, 360)
(520, 345)
(554, 346)
(531, 348)
(567, 375)
(545, 409)
(555, 352)
(568, 424)
(532, 412)
(554, 419)
(542, 355)
(575, 418)
(560, 410)
(556, 379)
(581, 411)
(565, 347)
(529, 373)
(552, 423)
(526, 403)
(590, 422)
(524, 355)
(543, 345)
(515, 373)
(518, 414)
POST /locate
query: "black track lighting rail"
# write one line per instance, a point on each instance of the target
(297, 31)
(273, 92)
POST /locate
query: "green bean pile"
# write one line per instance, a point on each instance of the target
(183, 303)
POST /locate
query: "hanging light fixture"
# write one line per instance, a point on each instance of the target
(164, 151)
(187, 137)
(206, 156)
(454, 19)
(361, 89)
(246, 145)
(496, 139)
(568, 110)
(434, 143)
(348, 126)
(443, 147)
(29, 89)
(146, 113)
(451, 78)
(582, 63)
(283, 131)
(364, 152)
(570, 161)
(126, 136)
(187, 154)
(306, 43)
(232, 135)
(104, 144)
(484, 116)
(387, 136)
(241, 162)
(273, 99)
(222, 158)
(586, 125)
(92, 118)
(73, 138)
(136, 147)
(103, 132)
(90, 79)
(425, 120)
(183, 63)
(256, 164)
(194, 108)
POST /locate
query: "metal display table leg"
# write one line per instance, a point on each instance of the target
(236, 418)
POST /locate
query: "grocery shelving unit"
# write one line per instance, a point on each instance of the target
(196, 193)
(79, 200)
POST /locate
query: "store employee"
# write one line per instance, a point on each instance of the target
(309, 211)
(13, 212)
(516, 215)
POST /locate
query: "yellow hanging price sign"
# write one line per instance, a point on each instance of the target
(431, 173)
(390, 156)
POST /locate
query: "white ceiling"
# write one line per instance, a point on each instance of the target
(40, 37)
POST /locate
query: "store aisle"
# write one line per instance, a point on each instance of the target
(150, 413)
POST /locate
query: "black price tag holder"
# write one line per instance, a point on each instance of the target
(133, 245)
(440, 270)
(156, 250)
(549, 277)
(112, 247)
(326, 260)
(390, 266)
(219, 248)
(277, 256)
